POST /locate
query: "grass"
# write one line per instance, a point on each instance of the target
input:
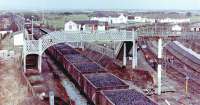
(77, 17)
(195, 19)
(58, 21)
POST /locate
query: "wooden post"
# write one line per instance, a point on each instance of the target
(186, 85)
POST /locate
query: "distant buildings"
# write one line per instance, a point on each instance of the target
(90, 25)
(174, 20)
(176, 28)
(104, 20)
(5, 25)
(111, 18)
(139, 19)
(195, 27)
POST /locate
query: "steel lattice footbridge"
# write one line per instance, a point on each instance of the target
(39, 46)
(52, 38)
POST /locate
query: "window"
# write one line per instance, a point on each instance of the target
(70, 27)
(111, 21)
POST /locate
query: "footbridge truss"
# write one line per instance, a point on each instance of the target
(52, 38)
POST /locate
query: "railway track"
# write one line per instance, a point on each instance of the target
(175, 74)
(186, 69)
(179, 69)
(149, 55)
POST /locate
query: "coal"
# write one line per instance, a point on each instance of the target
(61, 45)
(127, 97)
(89, 68)
(68, 51)
(76, 58)
(101, 80)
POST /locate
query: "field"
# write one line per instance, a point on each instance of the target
(57, 21)
(195, 18)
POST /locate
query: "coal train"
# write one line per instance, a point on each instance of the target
(98, 85)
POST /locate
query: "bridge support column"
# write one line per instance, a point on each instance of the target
(124, 55)
(51, 98)
(159, 68)
(82, 43)
(82, 46)
(134, 51)
(134, 55)
(40, 63)
(24, 64)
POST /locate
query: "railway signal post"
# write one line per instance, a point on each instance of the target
(186, 85)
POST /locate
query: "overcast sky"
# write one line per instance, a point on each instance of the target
(99, 4)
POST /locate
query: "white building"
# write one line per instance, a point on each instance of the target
(150, 20)
(18, 38)
(89, 25)
(71, 26)
(137, 19)
(195, 27)
(111, 19)
(176, 28)
(174, 20)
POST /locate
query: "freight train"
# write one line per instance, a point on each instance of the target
(98, 85)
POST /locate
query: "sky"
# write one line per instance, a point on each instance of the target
(99, 4)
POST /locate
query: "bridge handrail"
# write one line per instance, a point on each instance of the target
(100, 49)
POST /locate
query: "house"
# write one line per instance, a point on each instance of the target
(71, 26)
(195, 27)
(174, 20)
(137, 19)
(111, 18)
(18, 38)
(90, 25)
(176, 28)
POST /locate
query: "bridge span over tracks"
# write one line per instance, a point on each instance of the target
(52, 38)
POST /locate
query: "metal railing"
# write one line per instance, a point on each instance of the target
(39, 46)
(100, 49)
